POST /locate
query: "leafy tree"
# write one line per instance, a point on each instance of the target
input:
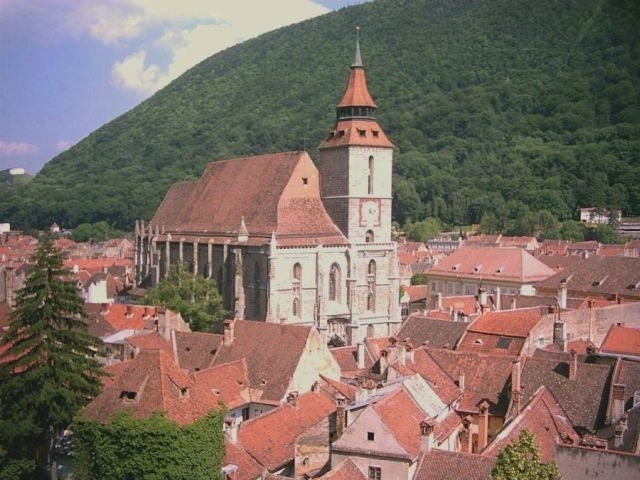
(423, 230)
(195, 297)
(572, 230)
(97, 232)
(151, 448)
(47, 367)
(419, 279)
(521, 461)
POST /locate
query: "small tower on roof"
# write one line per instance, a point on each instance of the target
(355, 163)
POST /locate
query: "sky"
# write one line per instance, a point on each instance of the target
(68, 67)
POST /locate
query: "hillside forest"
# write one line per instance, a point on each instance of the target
(510, 115)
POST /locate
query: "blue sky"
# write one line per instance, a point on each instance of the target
(69, 66)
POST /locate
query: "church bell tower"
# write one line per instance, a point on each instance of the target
(355, 164)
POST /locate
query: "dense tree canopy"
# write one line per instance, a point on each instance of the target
(195, 297)
(497, 114)
(47, 367)
(153, 448)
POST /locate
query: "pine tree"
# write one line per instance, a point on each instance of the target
(48, 370)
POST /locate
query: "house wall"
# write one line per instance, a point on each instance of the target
(391, 468)
(577, 463)
(587, 324)
(315, 360)
(313, 448)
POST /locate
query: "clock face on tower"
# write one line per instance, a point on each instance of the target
(369, 213)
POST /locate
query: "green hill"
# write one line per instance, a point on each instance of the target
(498, 109)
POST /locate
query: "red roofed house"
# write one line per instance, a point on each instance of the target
(497, 270)
(400, 422)
(288, 242)
(623, 341)
(505, 332)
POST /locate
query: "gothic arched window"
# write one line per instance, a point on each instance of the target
(371, 269)
(297, 272)
(370, 177)
(371, 302)
(334, 283)
(295, 308)
(368, 237)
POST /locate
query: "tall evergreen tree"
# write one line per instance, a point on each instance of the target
(47, 368)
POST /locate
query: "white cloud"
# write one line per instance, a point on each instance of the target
(10, 149)
(180, 34)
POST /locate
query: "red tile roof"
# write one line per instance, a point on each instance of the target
(271, 438)
(621, 341)
(247, 467)
(416, 293)
(345, 470)
(151, 382)
(272, 352)
(505, 264)
(445, 465)
(122, 317)
(270, 192)
(545, 419)
(347, 358)
(228, 382)
(150, 341)
(512, 323)
(196, 350)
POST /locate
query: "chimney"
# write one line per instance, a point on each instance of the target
(482, 297)
(341, 414)
(573, 364)
(427, 427)
(439, 304)
(384, 360)
(498, 299)
(516, 387)
(461, 381)
(360, 355)
(562, 294)
(455, 315)
(129, 311)
(231, 426)
(483, 425)
(104, 308)
(228, 332)
(559, 334)
(292, 398)
(618, 396)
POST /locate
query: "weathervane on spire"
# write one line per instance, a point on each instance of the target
(358, 60)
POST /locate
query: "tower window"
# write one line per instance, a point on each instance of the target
(362, 133)
(305, 180)
(375, 133)
(370, 177)
(368, 238)
(296, 307)
(297, 272)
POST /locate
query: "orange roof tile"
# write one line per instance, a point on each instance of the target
(247, 467)
(345, 470)
(513, 323)
(271, 438)
(621, 341)
(445, 465)
(152, 382)
(229, 382)
(545, 419)
(270, 192)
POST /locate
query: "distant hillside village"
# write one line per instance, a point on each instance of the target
(333, 365)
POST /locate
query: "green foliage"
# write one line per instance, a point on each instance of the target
(195, 297)
(153, 448)
(521, 461)
(96, 232)
(47, 366)
(423, 230)
(419, 279)
(494, 113)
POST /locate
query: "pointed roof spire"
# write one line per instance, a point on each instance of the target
(358, 59)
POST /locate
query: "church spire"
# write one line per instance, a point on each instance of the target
(358, 60)
(356, 101)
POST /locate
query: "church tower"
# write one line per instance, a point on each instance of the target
(355, 166)
(355, 163)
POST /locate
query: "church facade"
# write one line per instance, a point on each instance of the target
(287, 241)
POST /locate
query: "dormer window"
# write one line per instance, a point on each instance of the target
(477, 268)
(341, 133)
(477, 341)
(500, 269)
(456, 267)
(128, 396)
(362, 133)
(375, 133)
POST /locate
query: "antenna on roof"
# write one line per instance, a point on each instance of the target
(358, 60)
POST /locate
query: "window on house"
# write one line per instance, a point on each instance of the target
(503, 342)
(296, 307)
(362, 133)
(541, 342)
(371, 436)
(370, 177)
(375, 473)
(371, 268)
(128, 395)
(371, 302)
(305, 180)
